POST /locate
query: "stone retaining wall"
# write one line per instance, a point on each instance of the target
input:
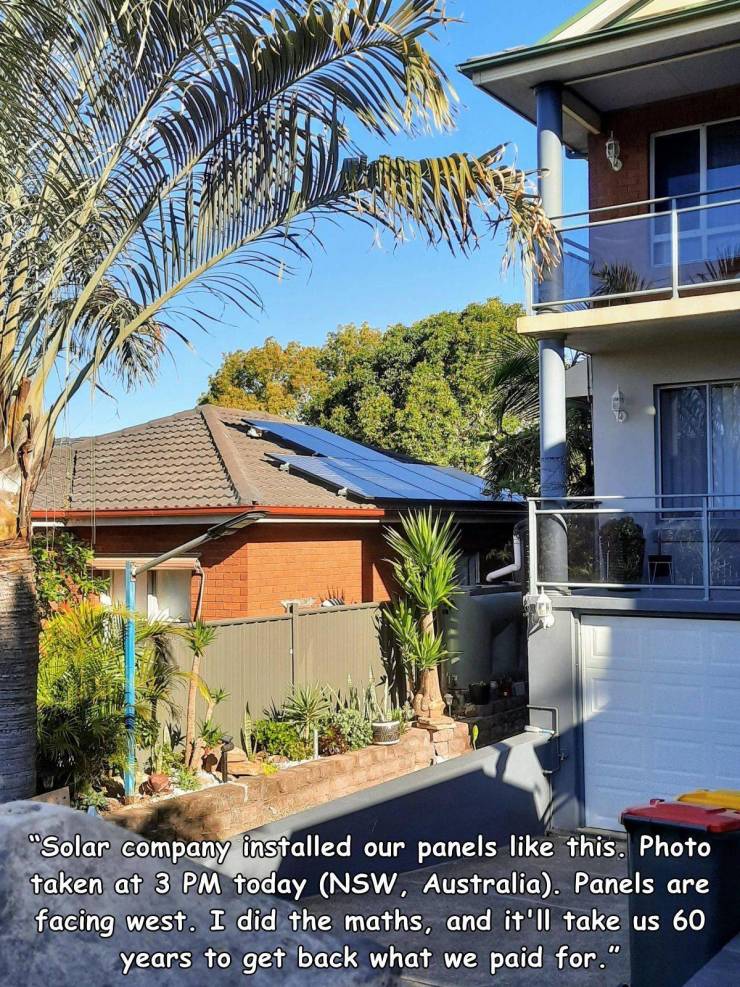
(223, 810)
(499, 720)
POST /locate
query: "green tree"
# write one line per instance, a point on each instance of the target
(511, 374)
(150, 151)
(416, 389)
(271, 377)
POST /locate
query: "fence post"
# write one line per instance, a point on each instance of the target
(297, 659)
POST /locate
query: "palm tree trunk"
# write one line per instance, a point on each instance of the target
(190, 717)
(19, 655)
(429, 705)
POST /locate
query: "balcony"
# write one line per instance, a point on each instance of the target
(675, 252)
(668, 546)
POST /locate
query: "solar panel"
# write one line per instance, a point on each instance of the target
(365, 472)
(316, 440)
(387, 479)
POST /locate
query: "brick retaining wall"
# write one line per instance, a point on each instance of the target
(224, 810)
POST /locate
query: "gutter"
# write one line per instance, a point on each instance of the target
(199, 512)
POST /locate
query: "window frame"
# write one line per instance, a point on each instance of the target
(702, 232)
(707, 385)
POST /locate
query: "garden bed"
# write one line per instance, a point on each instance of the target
(221, 811)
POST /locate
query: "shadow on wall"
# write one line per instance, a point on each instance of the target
(494, 793)
(486, 630)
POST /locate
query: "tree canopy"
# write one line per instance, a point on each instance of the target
(417, 390)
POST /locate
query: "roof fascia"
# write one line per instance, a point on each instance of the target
(482, 63)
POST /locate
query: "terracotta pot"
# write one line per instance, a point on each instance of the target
(159, 783)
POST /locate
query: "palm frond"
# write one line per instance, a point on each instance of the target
(152, 153)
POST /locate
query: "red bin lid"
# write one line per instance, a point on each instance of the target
(707, 818)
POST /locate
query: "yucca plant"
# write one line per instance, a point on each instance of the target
(151, 151)
(81, 722)
(424, 565)
(305, 707)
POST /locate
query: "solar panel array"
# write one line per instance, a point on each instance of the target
(389, 480)
(367, 473)
(317, 441)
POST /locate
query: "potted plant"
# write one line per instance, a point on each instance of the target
(480, 693)
(622, 550)
(425, 565)
(158, 781)
(386, 727)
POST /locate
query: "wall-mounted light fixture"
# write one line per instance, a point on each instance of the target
(543, 609)
(618, 407)
(613, 149)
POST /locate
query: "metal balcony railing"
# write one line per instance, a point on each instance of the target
(656, 248)
(670, 544)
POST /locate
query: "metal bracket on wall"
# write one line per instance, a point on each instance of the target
(552, 734)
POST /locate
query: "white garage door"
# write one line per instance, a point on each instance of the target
(661, 710)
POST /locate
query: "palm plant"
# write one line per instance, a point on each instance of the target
(81, 723)
(200, 636)
(152, 151)
(424, 565)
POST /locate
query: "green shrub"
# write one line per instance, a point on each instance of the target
(63, 571)
(81, 728)
(332, 741)
(91, 800)
(186, 779)
(356, 730)
(281, 738)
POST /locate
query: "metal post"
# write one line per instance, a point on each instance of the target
(550, 155)
(675, 246)
(129, 671)
(553, 539)
(553, 548)
(706, 559)
(533, 564)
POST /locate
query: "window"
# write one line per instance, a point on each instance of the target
(701, 165)
(700, 443)
(163, 593)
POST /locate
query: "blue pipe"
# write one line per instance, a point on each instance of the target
(129, 673)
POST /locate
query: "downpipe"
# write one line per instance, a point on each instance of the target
(515, 566)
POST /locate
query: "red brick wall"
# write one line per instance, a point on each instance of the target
(633, 128)
(249, 573)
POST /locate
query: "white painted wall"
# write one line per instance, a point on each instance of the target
(625, 455)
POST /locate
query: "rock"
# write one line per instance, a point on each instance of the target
(72, 959)
(246, 769)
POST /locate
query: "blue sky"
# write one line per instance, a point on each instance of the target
(352, 279)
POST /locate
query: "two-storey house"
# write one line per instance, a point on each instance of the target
(634, 594)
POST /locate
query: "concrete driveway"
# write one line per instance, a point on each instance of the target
(436, 906)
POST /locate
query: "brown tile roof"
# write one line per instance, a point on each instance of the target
(198, 458)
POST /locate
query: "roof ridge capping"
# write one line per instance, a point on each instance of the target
(246, 492)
